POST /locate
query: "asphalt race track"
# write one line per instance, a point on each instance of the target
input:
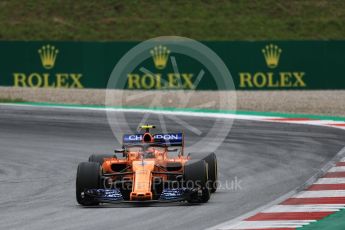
(40, 149)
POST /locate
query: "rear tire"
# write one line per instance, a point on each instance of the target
(211, 160)
(88, 177)
(196, 176)
(99, 158)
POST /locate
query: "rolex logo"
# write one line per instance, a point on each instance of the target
(160, 55)
(48, 55)
(272, 54)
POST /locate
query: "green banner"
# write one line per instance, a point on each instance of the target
(260, 65)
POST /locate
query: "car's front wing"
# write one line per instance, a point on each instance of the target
(115, 196)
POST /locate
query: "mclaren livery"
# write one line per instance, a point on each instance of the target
(148, 168)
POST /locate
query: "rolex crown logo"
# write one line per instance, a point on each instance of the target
(272, 54)
(48, 56)
(160, 55)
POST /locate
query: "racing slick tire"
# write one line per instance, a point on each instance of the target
(88, 177)
(196, 176)
(211, 160)
(99, 158)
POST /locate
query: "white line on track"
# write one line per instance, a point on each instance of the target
(268, 224)
(330, 181)
(337, 169)
(305, 208)
(322, 193)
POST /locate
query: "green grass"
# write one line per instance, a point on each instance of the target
(202, 20)
(332, 222)
(11, 100)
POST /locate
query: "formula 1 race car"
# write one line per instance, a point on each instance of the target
(148, 168)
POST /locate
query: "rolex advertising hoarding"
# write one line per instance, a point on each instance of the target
(260, 65)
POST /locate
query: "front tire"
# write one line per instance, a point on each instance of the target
(196, 177)
(88, 177)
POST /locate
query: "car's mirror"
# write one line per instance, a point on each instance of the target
(124, 154)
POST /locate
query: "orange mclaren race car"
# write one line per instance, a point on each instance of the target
(148, 168)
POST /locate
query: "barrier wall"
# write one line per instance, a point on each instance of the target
(260, 65)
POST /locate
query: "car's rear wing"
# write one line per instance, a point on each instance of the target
(169, 139)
